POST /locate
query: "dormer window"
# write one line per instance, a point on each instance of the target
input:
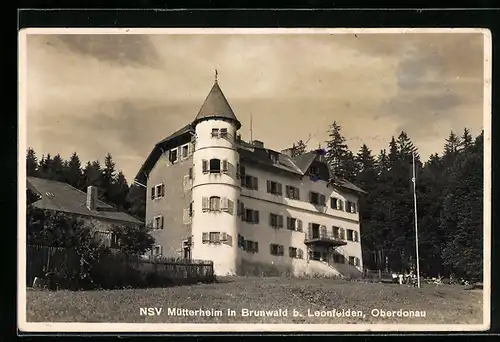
(274, 158)
(314, 170)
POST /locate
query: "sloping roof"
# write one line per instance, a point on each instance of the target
(156, 153)
(216, 106)
(59, 196)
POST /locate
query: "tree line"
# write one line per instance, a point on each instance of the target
(449, 190)
(112, 185)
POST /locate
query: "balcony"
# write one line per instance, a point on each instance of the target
(323, 239)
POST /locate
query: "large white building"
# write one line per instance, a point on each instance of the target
(248, 208)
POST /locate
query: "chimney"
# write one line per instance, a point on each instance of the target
(287, 151)
(91, 197)
(258, 143)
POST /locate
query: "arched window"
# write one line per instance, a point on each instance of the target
(214, 203)
(214, 165)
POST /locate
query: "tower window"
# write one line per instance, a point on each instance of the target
(215, 132)
(214, 165)
(223, 133)
(214, 203)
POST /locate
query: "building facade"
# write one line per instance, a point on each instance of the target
(246, 207)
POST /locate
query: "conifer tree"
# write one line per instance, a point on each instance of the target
(74, 172)
(298, 148)
(337, 152)
(31, 163)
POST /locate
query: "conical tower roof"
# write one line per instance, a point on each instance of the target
(216, 107)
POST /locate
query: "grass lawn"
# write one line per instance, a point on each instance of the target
(441, 304)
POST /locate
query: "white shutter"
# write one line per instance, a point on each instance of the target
(224, 204)
(190, 149)
(230, 207)
(205, 204)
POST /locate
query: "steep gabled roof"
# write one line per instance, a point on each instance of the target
(216, 106)
(63, 197)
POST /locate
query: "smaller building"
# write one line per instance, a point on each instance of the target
(56, 196)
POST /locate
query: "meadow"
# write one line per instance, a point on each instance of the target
(263, 300)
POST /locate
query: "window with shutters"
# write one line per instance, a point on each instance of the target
(350, 207)
(277, 250)
(335, 203)
(317, 198)
(158, 222)
(251, 246)
(338, 258)
(251, 216)
(275, 220)
(292, 192)
(292, 252)
(153, 192)
(223, 133)
(340, 204)
(214, 237)
(291, 223)
(215, 166)
(350, 235)
(173, 156)
(158, 192)
(214, 204)
(274, 188)
(250, 182)
(336, 232)
(342, 233)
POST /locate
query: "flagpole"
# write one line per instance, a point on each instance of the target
(414, 179)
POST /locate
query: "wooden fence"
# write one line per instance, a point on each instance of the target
(112, 269)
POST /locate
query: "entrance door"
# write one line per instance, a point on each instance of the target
(187, 253)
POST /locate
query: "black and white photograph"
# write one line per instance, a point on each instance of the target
(181, 180)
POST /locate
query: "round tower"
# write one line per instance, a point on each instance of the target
(216, 185)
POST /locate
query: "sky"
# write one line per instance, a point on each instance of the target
(99, 93)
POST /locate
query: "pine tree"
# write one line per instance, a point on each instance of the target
(45, 168)
(337, 154)
(119, 191)
(108, 177)
(74, 172)
(451, 149)
(298, 148)
(31, 163)
(57, 169)
(466, 140)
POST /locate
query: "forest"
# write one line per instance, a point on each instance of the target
(449, 191)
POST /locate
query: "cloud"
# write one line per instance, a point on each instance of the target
(123, 93)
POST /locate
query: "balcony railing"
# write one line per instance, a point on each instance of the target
(324, 238)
